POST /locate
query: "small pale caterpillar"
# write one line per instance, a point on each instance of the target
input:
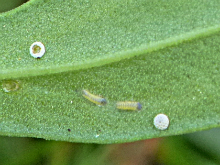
(128, 105)
(94, 98)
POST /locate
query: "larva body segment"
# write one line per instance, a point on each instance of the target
(128, 105)
(94, 98)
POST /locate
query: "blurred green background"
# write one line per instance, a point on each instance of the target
(202, 148)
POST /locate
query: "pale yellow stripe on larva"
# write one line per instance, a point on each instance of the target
(94, 98)
(128, 105)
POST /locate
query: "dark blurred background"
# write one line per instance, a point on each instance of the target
(200, 148)
(6, 5)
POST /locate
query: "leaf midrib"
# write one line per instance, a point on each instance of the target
(143, 49)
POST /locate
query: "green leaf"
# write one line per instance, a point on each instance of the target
(163, 54)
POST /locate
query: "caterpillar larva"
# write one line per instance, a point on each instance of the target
(94, 98)
(128, 105)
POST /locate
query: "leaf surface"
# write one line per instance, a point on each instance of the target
(163, 54)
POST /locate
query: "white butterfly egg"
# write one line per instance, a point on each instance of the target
(37, 50)
(161, 121)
